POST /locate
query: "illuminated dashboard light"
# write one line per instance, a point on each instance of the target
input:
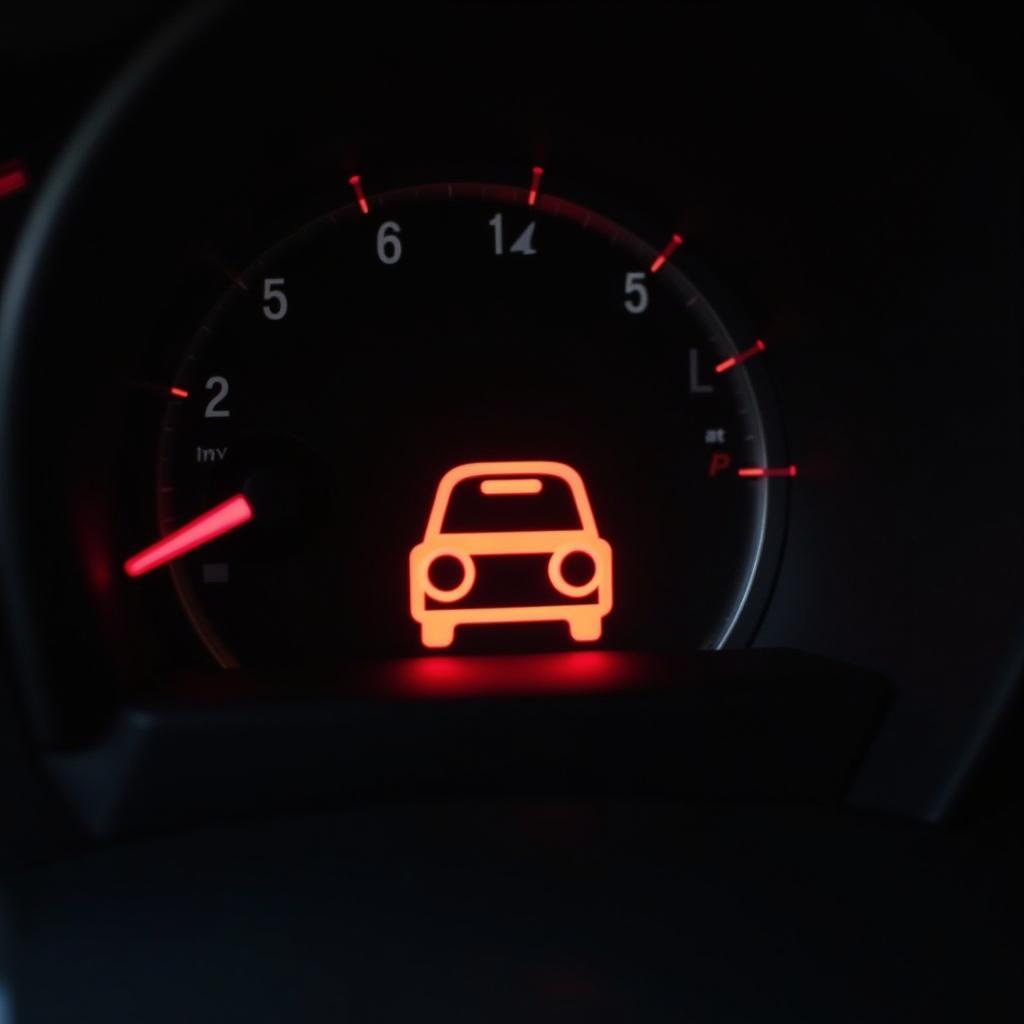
(741, 357)
(666, 253)
(179, 392)
(225, 517)
(760, 472)
(535, 186)
(438, 625)
(357, 186)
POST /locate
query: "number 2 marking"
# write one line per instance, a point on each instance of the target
(219, 386)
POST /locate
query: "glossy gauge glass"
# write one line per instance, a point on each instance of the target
(370, 353)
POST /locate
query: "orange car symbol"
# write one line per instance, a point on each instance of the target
(434, 604)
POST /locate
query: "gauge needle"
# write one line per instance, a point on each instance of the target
(222, 519)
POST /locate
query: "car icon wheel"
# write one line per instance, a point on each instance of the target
(584, 630)
(436, 634)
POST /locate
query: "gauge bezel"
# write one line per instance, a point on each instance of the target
(740, 623)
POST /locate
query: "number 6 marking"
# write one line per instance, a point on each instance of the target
(389, 245)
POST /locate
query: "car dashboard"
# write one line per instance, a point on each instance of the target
(510, 509)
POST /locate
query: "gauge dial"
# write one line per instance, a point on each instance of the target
(407, 334)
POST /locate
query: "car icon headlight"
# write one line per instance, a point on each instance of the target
(448, 576)
(573, 571)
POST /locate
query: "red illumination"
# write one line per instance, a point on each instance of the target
(179, 392)
(519, 675)
(357, 186)
(666, 253)
(13, 178)
(759, 472)
(741, 357)
(222, 519)
(535, 186)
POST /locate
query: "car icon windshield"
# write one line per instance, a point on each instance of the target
(537, 502)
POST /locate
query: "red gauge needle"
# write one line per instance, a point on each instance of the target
(225, 517)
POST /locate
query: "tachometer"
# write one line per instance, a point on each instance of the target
(463, 417)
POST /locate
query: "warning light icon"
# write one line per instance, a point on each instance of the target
(488, 523)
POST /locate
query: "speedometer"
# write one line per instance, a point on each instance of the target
(468, 417)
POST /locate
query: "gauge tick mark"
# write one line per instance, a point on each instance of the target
(531, 199)
(741, 357)
(666, 253)
(357, 186)
(763, 472)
